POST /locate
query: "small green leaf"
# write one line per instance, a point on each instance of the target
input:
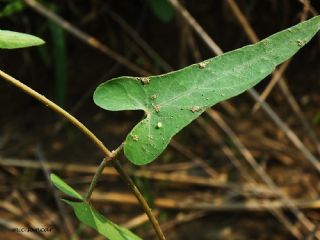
(13, 7)
(12, 40)
(89, 216)
(171, 101)
(64, 187)
(162, 9)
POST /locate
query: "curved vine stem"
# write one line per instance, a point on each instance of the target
(109, 156)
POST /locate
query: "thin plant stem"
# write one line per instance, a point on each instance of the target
(99, 172)
(109, 155)
(139, 196)
(58, 110)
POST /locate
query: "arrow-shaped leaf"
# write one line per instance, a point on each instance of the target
(11, 40)
(171, 101)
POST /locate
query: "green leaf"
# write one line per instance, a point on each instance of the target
(64, 187)
(11, 40)
(13, 7)
(60, 62)
(89, 216)
(162, 9)
(171, 101)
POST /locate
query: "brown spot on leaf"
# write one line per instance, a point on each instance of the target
(301, 43)
(135, 138)
(144, 80)
(202, 65)
(195, 109)
(156, 107)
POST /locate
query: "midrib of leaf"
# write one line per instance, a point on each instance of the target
(207, 85)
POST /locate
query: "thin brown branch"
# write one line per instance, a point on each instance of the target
(243, 21)
(197, 28)
(139, 40)
(276, 77)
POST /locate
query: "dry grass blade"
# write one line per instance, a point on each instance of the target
(30, 217)
(138, 220)
(243, 21)
(198, 29)
(307, 8)
(262, 173)
(9, 224)
(289, 133)
(278, 213)
(181, 218)
(144, 173)
(196, 204)
(197, 160)
(137, 38)
(66, 223)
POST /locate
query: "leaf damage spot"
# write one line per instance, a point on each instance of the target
(202, 65)
(144, 80)
(195, 109)
(153, 97)
(301, 43)
(156, 107)
(135, 138)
